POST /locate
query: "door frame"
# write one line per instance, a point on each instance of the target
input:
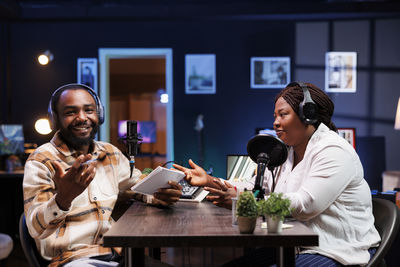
(105, 54)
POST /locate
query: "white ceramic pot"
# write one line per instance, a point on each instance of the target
(274, 225)
(246, 224)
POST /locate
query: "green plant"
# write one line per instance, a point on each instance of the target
(247, 205)
(276, 206)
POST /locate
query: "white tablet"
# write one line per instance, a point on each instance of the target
(158, 178)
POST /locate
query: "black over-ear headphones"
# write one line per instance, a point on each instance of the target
(99, 106)
(308, 110)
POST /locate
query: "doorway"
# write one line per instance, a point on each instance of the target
(131, 80)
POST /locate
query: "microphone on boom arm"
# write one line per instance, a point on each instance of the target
(133, 140)
(269, 152)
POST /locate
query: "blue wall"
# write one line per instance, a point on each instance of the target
(230, 116)
(233, 113)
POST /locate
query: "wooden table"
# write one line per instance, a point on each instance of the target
(197, 225)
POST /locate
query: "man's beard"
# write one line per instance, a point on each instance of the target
(77, 142)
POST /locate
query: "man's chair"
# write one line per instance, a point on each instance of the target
(387, 222)
(29, 246)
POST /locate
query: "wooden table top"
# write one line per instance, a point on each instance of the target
(196, 225)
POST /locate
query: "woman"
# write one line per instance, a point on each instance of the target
(323, 178)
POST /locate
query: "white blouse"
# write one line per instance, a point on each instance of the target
(329, 194)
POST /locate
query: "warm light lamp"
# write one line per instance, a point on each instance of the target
(42, 126)
(397, 121)
(45, 57)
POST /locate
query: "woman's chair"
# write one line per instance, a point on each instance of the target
(29, 246)
(387, 222)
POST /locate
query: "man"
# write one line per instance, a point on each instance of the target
(71, 184)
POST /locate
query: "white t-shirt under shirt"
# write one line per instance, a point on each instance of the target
(329, 194)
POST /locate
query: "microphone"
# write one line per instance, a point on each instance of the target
(132, 142)
(269, 152)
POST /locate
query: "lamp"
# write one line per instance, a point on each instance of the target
(42, 126)
(45, 57)
(397, 120)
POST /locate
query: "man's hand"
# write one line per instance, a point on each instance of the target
(196, 176)
(168, 196)
(72, 183)
(221, 197)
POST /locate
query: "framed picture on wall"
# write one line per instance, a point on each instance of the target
(340, 72)
(349, 134)
(87, 72)
(200, 74)
(269, 72)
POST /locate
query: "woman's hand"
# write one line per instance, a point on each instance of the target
(221, 197)
(196, 176)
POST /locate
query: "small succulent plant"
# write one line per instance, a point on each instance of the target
(275, 206)
(247, 205)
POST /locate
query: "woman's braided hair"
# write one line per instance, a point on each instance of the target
(293, 95)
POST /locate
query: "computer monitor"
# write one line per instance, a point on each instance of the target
(147, 130)
(11, 139)
(239, 167)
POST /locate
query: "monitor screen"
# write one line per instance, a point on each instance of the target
(11, 139)
(147, 130)
(239, 168)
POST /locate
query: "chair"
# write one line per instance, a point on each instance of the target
(387, 222)
(29, 246)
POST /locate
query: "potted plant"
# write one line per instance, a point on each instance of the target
(275, 208)
(247, 212)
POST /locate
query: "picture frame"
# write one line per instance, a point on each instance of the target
(269, 72)
(349, 134)
(87, 72)
(340, 72)
(200, 77)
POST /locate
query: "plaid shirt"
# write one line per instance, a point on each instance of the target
(67, 235)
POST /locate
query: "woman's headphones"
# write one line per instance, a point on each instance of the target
(308, 110)
(99, 107)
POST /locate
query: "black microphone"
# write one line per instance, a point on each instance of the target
(269, 152)
(132, 142)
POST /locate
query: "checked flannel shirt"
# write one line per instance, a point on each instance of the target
(61, 235)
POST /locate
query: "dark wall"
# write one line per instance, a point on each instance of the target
(230, 116)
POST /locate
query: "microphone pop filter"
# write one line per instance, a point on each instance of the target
(269, 144)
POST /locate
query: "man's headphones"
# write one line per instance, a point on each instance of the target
(308, 110)
(51, 109)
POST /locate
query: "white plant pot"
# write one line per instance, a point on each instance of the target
(274, 225)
